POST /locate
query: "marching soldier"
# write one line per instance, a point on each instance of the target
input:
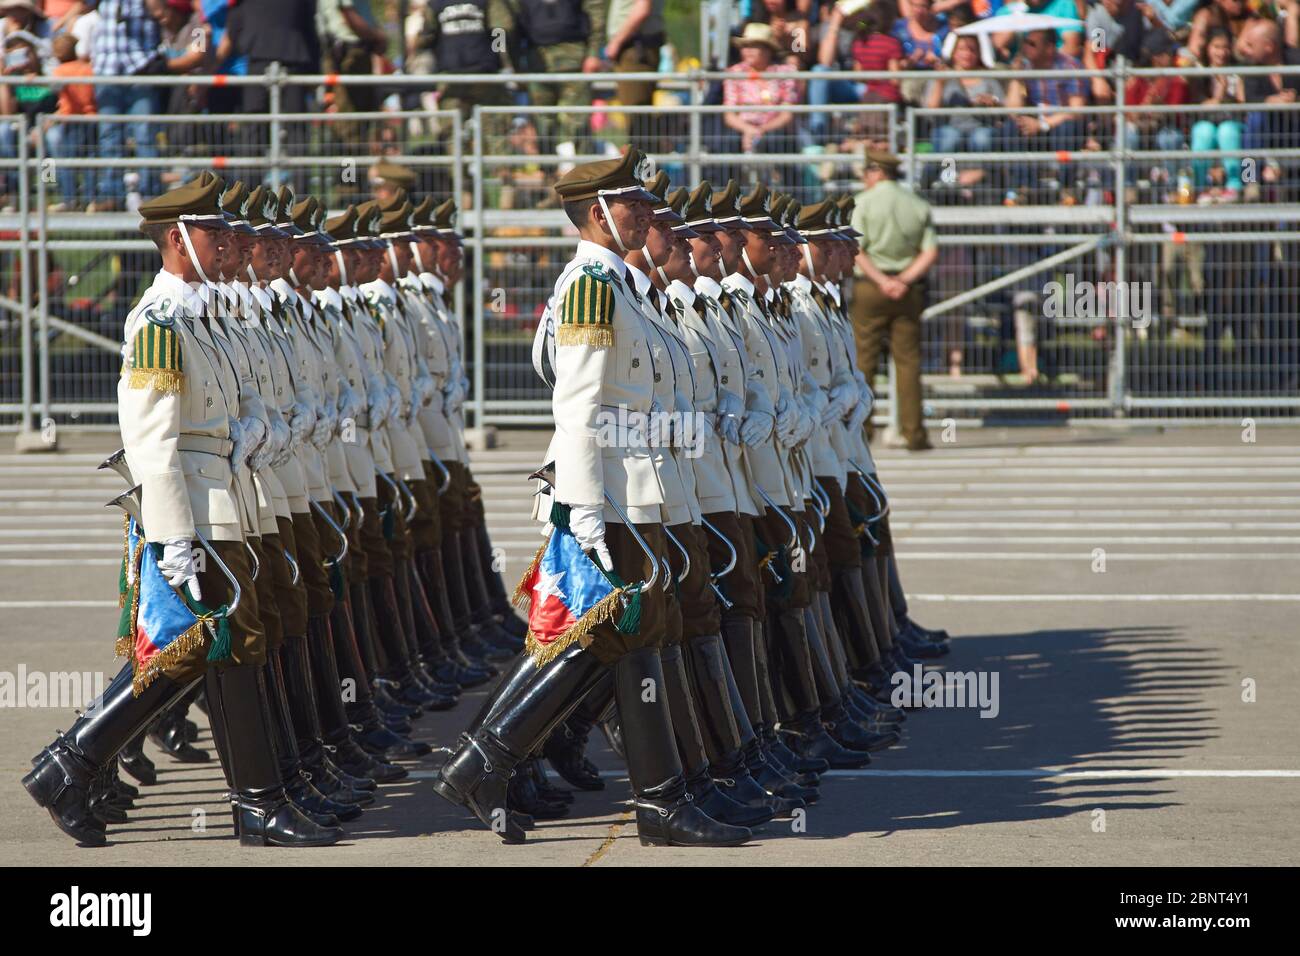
(179, 394)
(601, 358)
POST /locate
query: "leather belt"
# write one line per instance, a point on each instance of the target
(206, 445)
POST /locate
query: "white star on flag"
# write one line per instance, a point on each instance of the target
(549, 583)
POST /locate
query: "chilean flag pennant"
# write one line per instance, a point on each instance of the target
(565, 595)
(160, 625)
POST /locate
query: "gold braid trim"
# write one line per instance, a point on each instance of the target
(125, 646)
(169, 656)
(126, 558)
(600, 613)
(166, 380)
(521, 598)
(597, 336)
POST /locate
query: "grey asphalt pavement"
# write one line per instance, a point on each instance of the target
(1134, 592)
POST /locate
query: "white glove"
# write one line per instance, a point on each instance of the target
(282, 437)
(253, 435)
(756, 429)
(786, 414)
(395, 405)
(237, 452)
(731, 410)
(177, 565)
(301, 422)
(377, 405)
(843, 398)
(326, 419)
(348, 404)
(436, 397)
(453, 395)
(658, 432)
(587, 522)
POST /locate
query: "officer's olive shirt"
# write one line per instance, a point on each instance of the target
(895, 224)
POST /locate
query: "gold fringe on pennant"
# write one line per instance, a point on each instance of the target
(521, 598)
(166, 380)
(125, 646)
(169, 656)
(600, 612)
(597, 336)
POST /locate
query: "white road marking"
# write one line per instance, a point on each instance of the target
(1041, 773)
(18, 605)
(1070, 556)
(1097, 540)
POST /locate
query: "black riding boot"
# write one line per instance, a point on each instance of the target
(805, 733)
(171, 733)
(477, 775)
(707, 796)
(665, 814)
(136, 763)
(510, 622)
(63, 773)
(566, 748)
(263, 814)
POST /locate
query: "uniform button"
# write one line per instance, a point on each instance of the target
(636, 363)
(658, 377)
(724, 380)
(209, 403)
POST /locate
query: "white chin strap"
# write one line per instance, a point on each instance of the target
(392, 258)
(343, 269)
(417, 258)
(293, 277)
(658, 269)
(807, 257)
(189, 247)
(694, 269)
(613, 229)
(753, 273)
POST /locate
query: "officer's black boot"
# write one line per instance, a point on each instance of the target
(63, 773)
(390, 629)
(429, 651)
(477, 775)
(665, 812)
(804, 731)
(509, 621)
(263, 814)
(524, 796)
(136, 763)
(706, 795)
(459, 668)
(416, 626)
(566, 748)
(298, 787)
(725, 726)
(839, 723)
(359, 709)
(171, 734)
(493, 642)
(798, 770)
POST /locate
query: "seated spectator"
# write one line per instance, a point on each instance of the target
(1261, 44)
(1220, 181)
(1054, 128)
(1069, 40)
(791, 30)
(921, 32)
(71, 140)
(857, 40)
(26, 16)
(760, 131)
(1115, 28)
(1156, 131)
(1174, 15)
(22, 57)
(964, 133)
(1230, 15)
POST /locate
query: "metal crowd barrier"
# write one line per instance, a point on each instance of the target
(1220, 338)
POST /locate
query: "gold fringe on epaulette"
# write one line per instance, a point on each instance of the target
(169, 656)
(521, 598)
(597, 336)
(167, 380)
(600, 613)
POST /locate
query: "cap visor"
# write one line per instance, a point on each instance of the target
(685, 231)
(759, 225)
(705, 225)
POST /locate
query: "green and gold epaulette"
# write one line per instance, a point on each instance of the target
(587, 311)
(156, 354)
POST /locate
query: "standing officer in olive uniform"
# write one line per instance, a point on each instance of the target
(896, 250)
